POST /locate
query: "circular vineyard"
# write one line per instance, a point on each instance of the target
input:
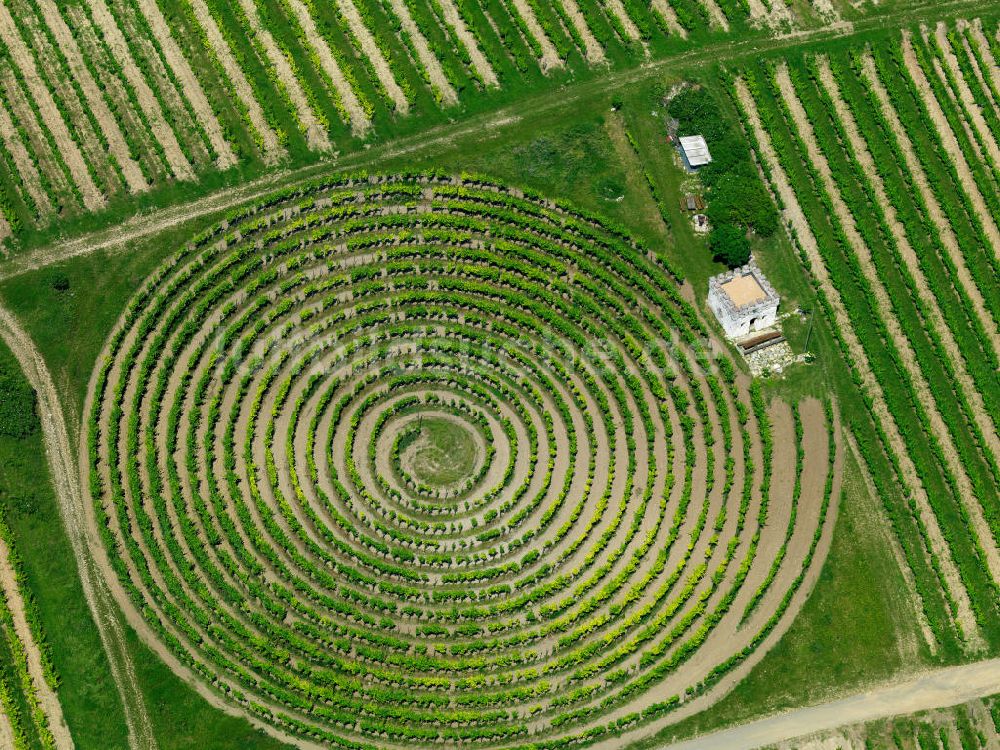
(394, 461)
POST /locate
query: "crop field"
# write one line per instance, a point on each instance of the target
(359, 387)
(601, 533)
(885, 162)
(102, 101)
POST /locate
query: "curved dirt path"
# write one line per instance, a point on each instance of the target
(48, 701)
(794, 216)
(65, 478)
(939, 688)
(981, 416)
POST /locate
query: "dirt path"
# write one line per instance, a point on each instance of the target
(117, 146)
(66, 477)
(951, 145)
(593, 50)
(796, 219)
(669, 17)
(50, 113)
(375, 57)
(191, 88)
(439, 81)
(550, 58)
(359, 120)
(937, 215)
(108, 28)
(454, 19)
(935, 319)
(26, 169)
(948, 686)
(908, 356)
(715, 15)
(48, 701)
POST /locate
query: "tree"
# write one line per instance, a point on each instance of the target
(729, 245)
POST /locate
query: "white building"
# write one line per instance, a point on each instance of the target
(694, 152)
(743, 300)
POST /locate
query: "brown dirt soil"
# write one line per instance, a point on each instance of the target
(715, 14)
(360, 122)
(899, 338)
(948, 239)
(669, 16)
(550, 58)
(25, 166)
(796, 219)
(454, 19)
(313, 130)
(71, 154)
(439, 81)
(371, 50)
(592, 48)
(73, 511)
(114, 38)
(189, 83)
(117, 146)
(969, 104)
(240, 86)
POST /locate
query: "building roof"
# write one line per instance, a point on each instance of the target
(695, 150)
(744, 290)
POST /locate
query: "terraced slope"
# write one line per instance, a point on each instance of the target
(883, 162)
(385, 461)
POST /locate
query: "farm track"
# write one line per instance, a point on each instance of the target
(939, 547)
(939, 688)
(886, 306)
(65, 477)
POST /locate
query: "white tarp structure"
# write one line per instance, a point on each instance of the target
(694, 151)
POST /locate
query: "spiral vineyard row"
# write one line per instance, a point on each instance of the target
(885, 163)
(373, 463)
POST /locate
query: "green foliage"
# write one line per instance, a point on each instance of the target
(729, 245)
(18, 417)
